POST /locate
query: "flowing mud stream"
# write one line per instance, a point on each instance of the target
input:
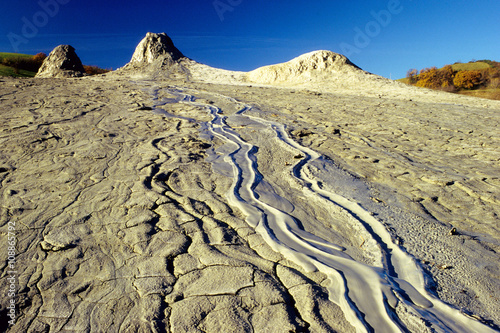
(374, 298)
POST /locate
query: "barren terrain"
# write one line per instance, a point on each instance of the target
(213, 203)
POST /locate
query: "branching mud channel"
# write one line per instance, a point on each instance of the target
(369, 295)
(171, 206)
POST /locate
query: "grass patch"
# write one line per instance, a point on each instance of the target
(9, 71)
(471, 66)
(483, 93)
(4, 55)
(18, 65)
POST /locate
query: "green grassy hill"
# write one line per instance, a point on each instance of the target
(471, 66)
(10, 71)
(14, 55)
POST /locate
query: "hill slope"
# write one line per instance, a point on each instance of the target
(4, 55)
(6, 59)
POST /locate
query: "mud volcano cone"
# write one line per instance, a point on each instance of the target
(61, 62)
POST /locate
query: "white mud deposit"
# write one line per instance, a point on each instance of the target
(368, 295)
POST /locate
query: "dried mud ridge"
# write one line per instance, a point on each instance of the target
(121, 195)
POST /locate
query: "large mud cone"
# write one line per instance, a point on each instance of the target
(61, 62)
(305, 67)
(155, 47)
(157, 57)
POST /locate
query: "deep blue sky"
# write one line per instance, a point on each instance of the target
(246, 34)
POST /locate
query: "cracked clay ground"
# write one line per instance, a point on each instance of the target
(122, 224)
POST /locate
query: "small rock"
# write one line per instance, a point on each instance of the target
(444, 267)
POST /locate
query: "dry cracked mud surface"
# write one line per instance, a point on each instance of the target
(123, 225)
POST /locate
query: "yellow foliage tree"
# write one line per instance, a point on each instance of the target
(467, 79)
(39, 57)
(446, 75)
(429, 78)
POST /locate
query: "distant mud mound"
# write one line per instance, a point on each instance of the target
(61, 62)
(304, 68)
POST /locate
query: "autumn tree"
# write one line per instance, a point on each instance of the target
(93, 70)
(412, 75)
(453, 80)
(429, 78)
(39, 58)
(446, 75)
(467, 79)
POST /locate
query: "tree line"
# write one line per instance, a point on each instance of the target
(449, 79)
